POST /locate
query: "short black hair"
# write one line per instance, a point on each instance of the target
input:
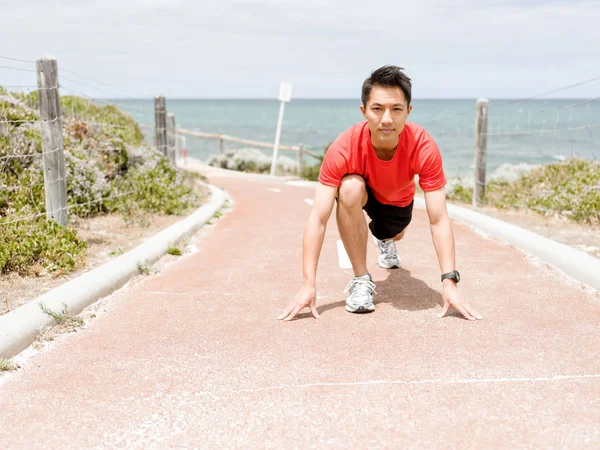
(387, 76)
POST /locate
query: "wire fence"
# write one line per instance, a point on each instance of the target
(19, 124)
(66, 166)
(520, 132)
(106, 130)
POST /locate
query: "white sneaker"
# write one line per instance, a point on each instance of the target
(388, 256)
(360, 299)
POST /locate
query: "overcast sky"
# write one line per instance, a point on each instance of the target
(325, 48)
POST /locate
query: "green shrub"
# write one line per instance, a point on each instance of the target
(568, 189)
(107, 168)
(252, 160)
(16, 115)
(64, 317)
(113, 122)
(460, 193)
(312, 172)
(155, 186)
(174, 251)
(31, 99)
(22, 191)
(27, 246)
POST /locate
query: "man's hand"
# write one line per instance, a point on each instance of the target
(305, 298)
(453, 297)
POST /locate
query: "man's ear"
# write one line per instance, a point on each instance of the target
(409, 110)
(363, 111)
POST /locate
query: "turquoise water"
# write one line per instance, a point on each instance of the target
(531, 131)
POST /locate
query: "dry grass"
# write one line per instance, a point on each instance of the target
(7, 365)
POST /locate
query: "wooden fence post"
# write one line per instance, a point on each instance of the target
(300, 160)
(220, 149)
(160, 124)
(52, 143)
(171, 137)
(480, 151)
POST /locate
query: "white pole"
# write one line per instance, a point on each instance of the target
(277, 135)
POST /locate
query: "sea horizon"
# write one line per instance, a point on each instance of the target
(520, 131)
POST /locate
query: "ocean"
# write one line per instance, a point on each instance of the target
(520, 132)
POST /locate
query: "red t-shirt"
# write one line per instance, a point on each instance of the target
(392, 182)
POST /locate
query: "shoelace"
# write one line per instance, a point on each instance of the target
(389, 249)
(361, 287)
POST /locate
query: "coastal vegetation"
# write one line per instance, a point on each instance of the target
(567, 189)
(108, 170)
(252, 160)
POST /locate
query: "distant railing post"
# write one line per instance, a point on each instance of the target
(171, 139)
(220, 149)
(181, 154)
(300, 160)
(480, 151)
(52, 143)
(160, 124)
(178, 144)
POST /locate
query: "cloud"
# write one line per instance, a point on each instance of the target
(235, 48)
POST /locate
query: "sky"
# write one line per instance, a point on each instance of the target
(324, 48)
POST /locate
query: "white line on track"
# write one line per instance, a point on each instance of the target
(309, 201)
(301, 183)
(343, 256)
(409, 382)
(274, 190)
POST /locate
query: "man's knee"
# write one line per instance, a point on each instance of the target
(352, 191)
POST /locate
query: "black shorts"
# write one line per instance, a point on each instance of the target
(387, 220)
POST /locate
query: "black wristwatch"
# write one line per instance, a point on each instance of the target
(454, 275)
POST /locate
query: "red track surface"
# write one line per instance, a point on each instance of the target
(194, 356)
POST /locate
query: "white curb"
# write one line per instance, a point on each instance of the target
(577, 264)
(20, 327)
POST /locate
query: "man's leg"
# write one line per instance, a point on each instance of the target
(398, 237)
(389, 220)
(352, 196)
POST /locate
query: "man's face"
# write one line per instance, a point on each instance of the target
(386, 113)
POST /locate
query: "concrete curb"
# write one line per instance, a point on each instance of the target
(20, 327)
(577, 264)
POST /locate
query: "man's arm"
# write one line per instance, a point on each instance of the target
(312, 242)
(443, 241)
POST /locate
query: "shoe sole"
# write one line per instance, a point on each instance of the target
(393, 266)
(360, 309)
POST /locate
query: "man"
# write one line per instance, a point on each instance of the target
(372, 166)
